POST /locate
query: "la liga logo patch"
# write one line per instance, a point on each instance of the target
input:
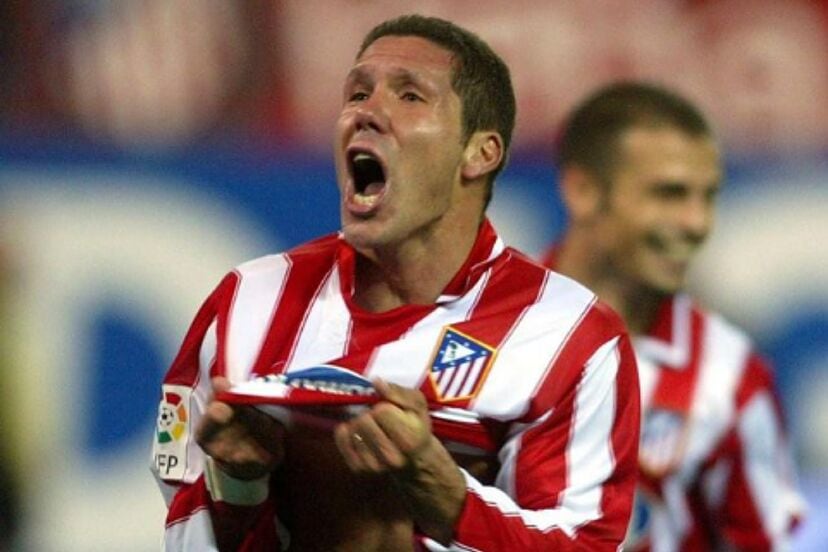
(172, 418)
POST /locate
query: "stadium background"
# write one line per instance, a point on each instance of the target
(147, 146)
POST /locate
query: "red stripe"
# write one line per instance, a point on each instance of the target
(559, 387)
(188, 500)
(550, 476)
(756, 377)
(184, 369)
(676, 386)
(549, 472)
(309, 264)
(467, 373)
(598, 325)
(616, 500)
(740, 521)
(478, 517)
(485, 436)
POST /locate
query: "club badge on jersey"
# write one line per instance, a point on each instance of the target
(459, 366)
(662, 447)
(663, 439)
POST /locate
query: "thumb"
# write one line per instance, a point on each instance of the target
(220, 384)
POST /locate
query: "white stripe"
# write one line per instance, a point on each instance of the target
(724, 356)
(590, 461)
(760, 432)
(590, 458)
(474, 373)
(394, 361)
(260, 287)
(531, 346)
(460, 373)
(444, 378)
(325, 330)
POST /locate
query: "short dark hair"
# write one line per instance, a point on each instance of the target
(480, 77)
(590, 136)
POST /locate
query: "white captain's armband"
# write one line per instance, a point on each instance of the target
(172, 432)
(224, 488)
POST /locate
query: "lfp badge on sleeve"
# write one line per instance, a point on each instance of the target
(172, 432)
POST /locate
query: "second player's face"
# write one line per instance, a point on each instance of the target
(661, 205)
(398, 142)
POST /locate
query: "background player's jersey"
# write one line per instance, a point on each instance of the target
(716, 466)
(525, 364)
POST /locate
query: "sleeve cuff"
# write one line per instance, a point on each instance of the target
(239, 492)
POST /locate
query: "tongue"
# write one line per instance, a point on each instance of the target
(373, 188)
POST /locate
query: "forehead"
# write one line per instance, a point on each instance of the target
(406, 52)
(669, 153)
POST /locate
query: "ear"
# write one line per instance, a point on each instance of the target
(482, 155)
(582, 193)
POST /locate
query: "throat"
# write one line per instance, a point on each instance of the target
(637, 307)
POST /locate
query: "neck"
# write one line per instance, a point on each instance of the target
(416, 271)
(636, 304)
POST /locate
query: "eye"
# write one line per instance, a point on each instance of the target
(358, 97)
(411, 97)
(670, 191)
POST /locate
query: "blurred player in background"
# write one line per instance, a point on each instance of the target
(532, 438)
(640, 172)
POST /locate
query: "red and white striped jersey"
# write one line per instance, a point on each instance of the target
(524, 364)
(716, 467)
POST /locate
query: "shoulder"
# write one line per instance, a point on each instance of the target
(557, 289)
(732, 367)
(727, 345)
(566, 302)
(318, 250)
(721, 328)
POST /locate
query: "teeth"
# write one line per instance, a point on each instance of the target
(367, 200)
(362, 156)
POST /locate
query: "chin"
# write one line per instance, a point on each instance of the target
(666, 285)
(361, 236)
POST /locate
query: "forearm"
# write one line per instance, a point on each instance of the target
(236, 505)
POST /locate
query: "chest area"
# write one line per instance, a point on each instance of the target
(685, 416)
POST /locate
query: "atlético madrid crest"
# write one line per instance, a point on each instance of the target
(459, 366)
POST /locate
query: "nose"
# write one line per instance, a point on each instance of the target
(697, 218)
(371, 114)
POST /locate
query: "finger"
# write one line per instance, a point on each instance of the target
(374, 438)
(346, 441)
(405, 398)
(407, 430)
(220, 384)
(217, 416)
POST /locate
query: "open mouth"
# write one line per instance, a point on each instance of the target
(368, 176)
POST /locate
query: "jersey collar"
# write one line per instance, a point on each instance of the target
(487, 247)
(668, 342)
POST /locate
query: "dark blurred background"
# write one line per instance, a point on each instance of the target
(147, 146)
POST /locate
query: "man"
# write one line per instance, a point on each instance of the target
(639, 174)
(529, 383)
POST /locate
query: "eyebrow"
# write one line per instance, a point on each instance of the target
(399, 76)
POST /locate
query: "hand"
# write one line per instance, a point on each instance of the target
(395, 436)
(388, 435)
(244, 442)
